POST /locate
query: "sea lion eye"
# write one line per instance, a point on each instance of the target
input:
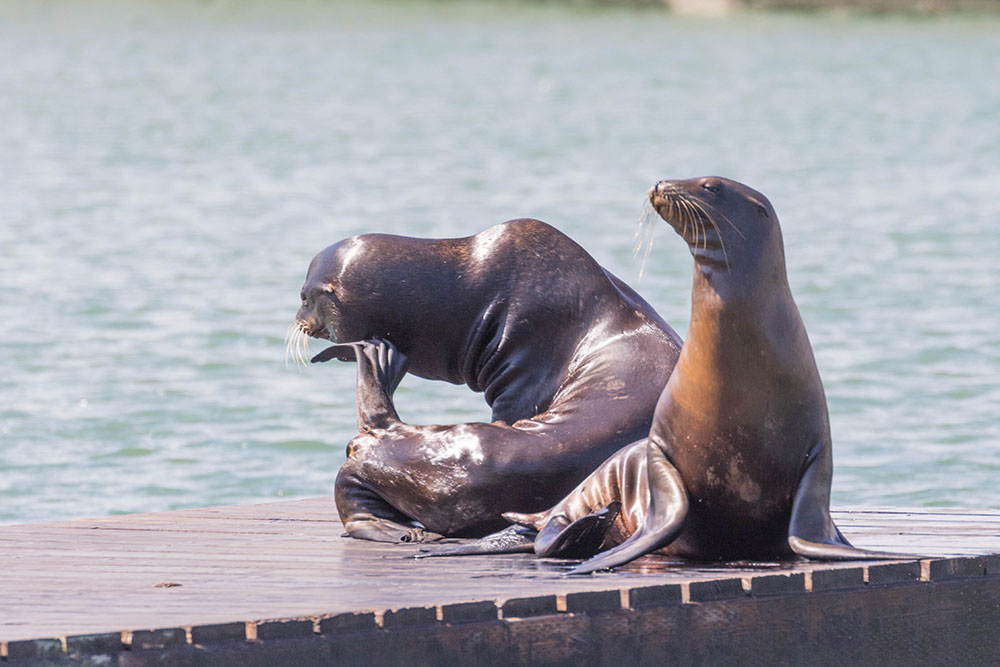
(712, 187)
(302, 295)
(762, 210)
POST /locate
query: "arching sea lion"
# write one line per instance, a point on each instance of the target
(738, 462)
(570, 359)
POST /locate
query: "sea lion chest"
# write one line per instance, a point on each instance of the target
(737, 419)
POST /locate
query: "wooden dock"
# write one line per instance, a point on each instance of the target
(277, 583)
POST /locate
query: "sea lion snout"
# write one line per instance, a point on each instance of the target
(312, 329)
(662, 189)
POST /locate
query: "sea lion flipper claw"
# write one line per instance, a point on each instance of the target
(668, 508)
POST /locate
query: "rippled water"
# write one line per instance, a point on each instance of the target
(168, 169)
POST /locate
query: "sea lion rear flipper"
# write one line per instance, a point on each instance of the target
(811, 531)
(579, 539)
(381, 530)
(367, 516)
(668, 507)
(511, 540)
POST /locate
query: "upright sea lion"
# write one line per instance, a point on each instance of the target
(738, 462)
(571, 360)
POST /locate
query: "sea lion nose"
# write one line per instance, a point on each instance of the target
(663, 187)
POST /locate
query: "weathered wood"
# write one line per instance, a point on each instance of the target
(140, 587)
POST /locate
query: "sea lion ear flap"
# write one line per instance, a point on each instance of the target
(340, 352)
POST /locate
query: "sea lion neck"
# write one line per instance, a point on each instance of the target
(731, 321)
(748, 270)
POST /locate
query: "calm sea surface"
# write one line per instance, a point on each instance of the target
(167, 170)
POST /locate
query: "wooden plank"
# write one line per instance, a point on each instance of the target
(288, 559)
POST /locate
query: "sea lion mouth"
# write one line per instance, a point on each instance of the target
(297, 340)
(667, 202)
(684, 213)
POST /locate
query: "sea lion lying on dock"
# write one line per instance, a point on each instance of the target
(571, 360)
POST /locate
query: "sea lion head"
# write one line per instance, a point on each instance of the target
(320, 314)
(728, 226)
(385, 287)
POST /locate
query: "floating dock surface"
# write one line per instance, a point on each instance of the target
(277, 583)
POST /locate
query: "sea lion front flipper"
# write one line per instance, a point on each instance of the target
(340, 351)
(511, 540)
(811, 531)
(388, 364)
(579, 539)
(668, 507)
(381, 367)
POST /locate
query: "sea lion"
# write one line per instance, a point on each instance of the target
(571, 360)
(738, 462)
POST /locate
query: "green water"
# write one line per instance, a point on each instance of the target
(168, 169)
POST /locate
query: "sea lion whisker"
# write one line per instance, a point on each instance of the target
(299, 337)
(296, 345)
(640, 234)
(649, 249)
(722, 243)
(688, 217)
(289, 338)
(702, 233)
(648, 228)
(640, 238)
(647, 217)
(640, 231)
(702, 217)
(303, 348)
(676, 214)
(696, 222)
